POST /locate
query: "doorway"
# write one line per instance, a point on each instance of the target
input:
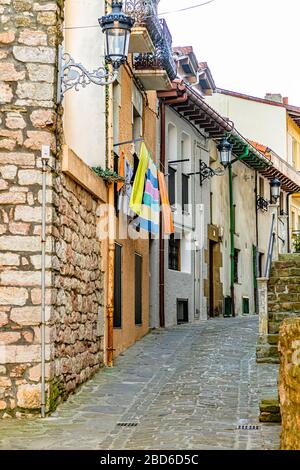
(212, 279)
(182, 311)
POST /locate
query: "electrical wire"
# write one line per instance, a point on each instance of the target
(171, 12)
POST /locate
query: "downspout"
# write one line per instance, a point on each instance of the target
(43, 288)
(111, 224)
(161, 238)
(257, 239)
(288, 220)
(232, 228)
(231, 206)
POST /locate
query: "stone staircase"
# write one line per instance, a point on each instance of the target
(283, 302)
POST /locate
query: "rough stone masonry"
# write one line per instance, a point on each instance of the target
(29, 35)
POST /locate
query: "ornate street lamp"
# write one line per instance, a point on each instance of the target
(275, 189)
(225, 152)
(117, 29)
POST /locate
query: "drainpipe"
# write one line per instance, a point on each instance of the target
(288, 220)
(45, 159)
(231, 205)
(111, 224)
(161, 238)
(232, 227)
(257, 239)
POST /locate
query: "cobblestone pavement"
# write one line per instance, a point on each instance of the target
(185, 388)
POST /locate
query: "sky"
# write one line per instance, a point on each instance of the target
(251, 46)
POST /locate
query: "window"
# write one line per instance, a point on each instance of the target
(261, 187)
(261, 265)
(138, 289)
(172, 185)
(236, 265)
(281, 203)
(118, 287)
(137, 127)
(185, 193)
(174, 253)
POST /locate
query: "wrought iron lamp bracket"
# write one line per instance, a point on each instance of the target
(75, 75)
(206, 172)
(262, 204)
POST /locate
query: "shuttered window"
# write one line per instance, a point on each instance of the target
(118, 287)
(185, 193)
(138, 289)
(174, 253)
(172, 185)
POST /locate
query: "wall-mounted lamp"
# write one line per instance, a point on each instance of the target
(225, 152)
(275, 189)
(275, 186)
(117, 28)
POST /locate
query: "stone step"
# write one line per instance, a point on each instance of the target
(284, 281)
(270, 410)
(283, 297)
(285, 271)
(295, 257)
(267, 353)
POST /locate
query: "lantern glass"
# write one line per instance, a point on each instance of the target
(117, 45)
(275, 189)
(225, 152)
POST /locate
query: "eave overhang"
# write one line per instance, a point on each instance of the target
(194, 109)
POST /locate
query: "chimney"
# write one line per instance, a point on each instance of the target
(277, 97)
(285, 100)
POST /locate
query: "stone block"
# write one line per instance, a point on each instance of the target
(12, 198)
(7, 37)
(33, 38)
(39, 54)
(29, 396)
(8, 172)
(9, 259)
(8, 72)
(13, 296)
(29, 316)
(36, 139)
(9, 337)
(35, 91)
(40, 73)
(17, 158)
(6, 94)
(42, 118)
(18, 243)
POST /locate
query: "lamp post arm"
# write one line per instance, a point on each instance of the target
(75, 75)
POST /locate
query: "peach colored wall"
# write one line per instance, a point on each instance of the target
(130, 333)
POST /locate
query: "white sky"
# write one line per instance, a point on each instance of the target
(251, 46)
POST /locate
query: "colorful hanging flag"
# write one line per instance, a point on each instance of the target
(120, 184)
(149, 216)
(139, 181)
(168, 226)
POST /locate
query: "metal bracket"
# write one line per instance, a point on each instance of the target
(206, 172)
(75, 75)
(262, 204)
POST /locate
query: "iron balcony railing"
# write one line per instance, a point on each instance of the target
(145, 13)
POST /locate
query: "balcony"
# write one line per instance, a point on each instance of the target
(151, 45)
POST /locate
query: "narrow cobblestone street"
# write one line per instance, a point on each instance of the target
(186, 388)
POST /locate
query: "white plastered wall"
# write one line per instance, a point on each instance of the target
(84, 111)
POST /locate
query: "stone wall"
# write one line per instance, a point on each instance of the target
(289, 383)
(30, 31)
(77, 321)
